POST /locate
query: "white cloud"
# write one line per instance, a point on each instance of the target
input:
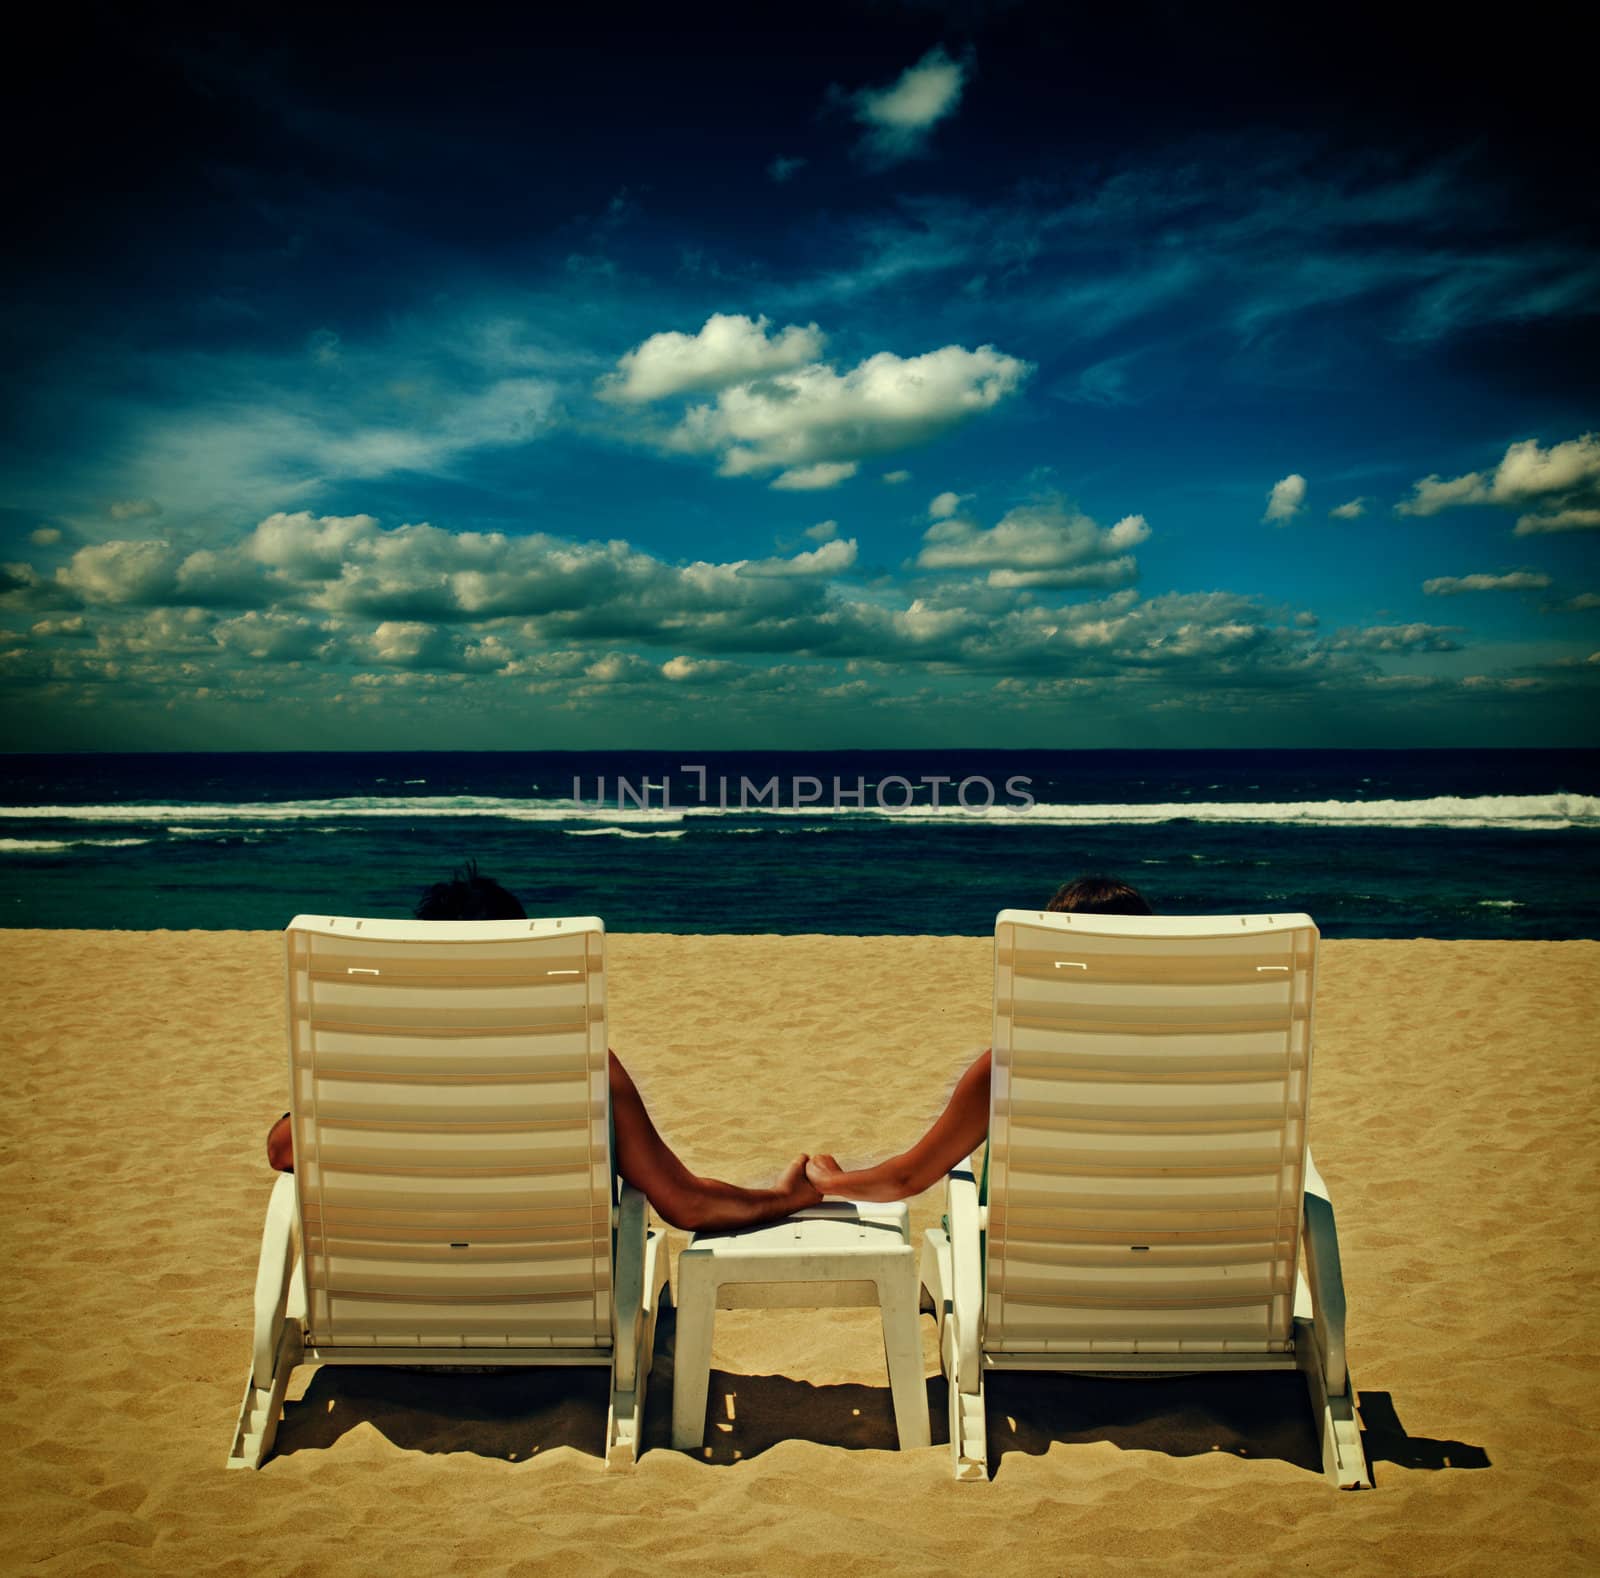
(1584, 600)
(275, 636)
(781, 169)
(1576, 519)
(307, 546)
(1528, 472)
(812, 415)
(1514, 581)
(823, 531)
(1352, 511)
(1432, 494)
(895, 478)
(1037, 546)
(1286, 499)
(121, 572)
(1398, 638)
(900, 117)
(133, 509)
(944, 504)
(45, 536)
(72, 625)
(728, 349)
(829, 559)
(809, 479)
(1566, 474)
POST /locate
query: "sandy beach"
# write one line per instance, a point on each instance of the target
(1454, 1116)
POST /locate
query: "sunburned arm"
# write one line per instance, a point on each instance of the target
(647, 1162)
(955, 1135)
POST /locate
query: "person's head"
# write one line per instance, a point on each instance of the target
(469, 895)
(1099, 896)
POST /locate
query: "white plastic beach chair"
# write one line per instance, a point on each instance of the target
(1150, 1187)
(453, 1198)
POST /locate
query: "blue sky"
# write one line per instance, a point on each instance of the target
(887, 374)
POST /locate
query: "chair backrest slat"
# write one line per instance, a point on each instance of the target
(1147, 1131)
(451, 1110)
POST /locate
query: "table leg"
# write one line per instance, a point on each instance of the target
(691, 1361)
(902, 1345)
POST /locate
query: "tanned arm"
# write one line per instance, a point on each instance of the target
(650, 1165)
(679, 1196)
(280, 1146)
(956, 1134)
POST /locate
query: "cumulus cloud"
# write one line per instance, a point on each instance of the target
(1514, 581)
(823, 531)
(1036, 546)
(1562, 481)
(307, 547)
(943, 505)
(1352, 511)
(121, 571)
(275, 636)
(900, 118)
(1286, 500)
(728, 349)
(814, 415)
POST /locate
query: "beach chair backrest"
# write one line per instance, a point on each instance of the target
(451, 1110)
(1147, 1131)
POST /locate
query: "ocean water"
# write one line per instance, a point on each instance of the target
(1369, 843)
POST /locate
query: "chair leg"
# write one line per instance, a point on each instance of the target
(902, 1346)
(969, 1423)
(262, 1407)
(691, 1365)
(277, 1346)
(1344, 1457)
(937, 1282)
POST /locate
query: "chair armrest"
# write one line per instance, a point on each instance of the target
(273, 1273)
(1325, 1277)
(628, 1291)
(966, 1267)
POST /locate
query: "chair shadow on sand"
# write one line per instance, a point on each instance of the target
(514, 1415)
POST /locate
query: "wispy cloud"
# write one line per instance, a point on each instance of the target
(1510, 581)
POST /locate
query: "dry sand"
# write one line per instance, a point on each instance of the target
(1454, 1117)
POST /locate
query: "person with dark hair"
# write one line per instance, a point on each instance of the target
(964, 1124)
(643, 1158)
(1099, 896)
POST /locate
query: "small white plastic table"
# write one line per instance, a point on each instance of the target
(839, 1253)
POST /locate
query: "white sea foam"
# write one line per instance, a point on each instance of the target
(353, 806)
(30, 845)
(1547, 811)
(1553, 811)
(620, 832)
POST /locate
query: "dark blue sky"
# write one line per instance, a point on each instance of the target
(868, 374)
